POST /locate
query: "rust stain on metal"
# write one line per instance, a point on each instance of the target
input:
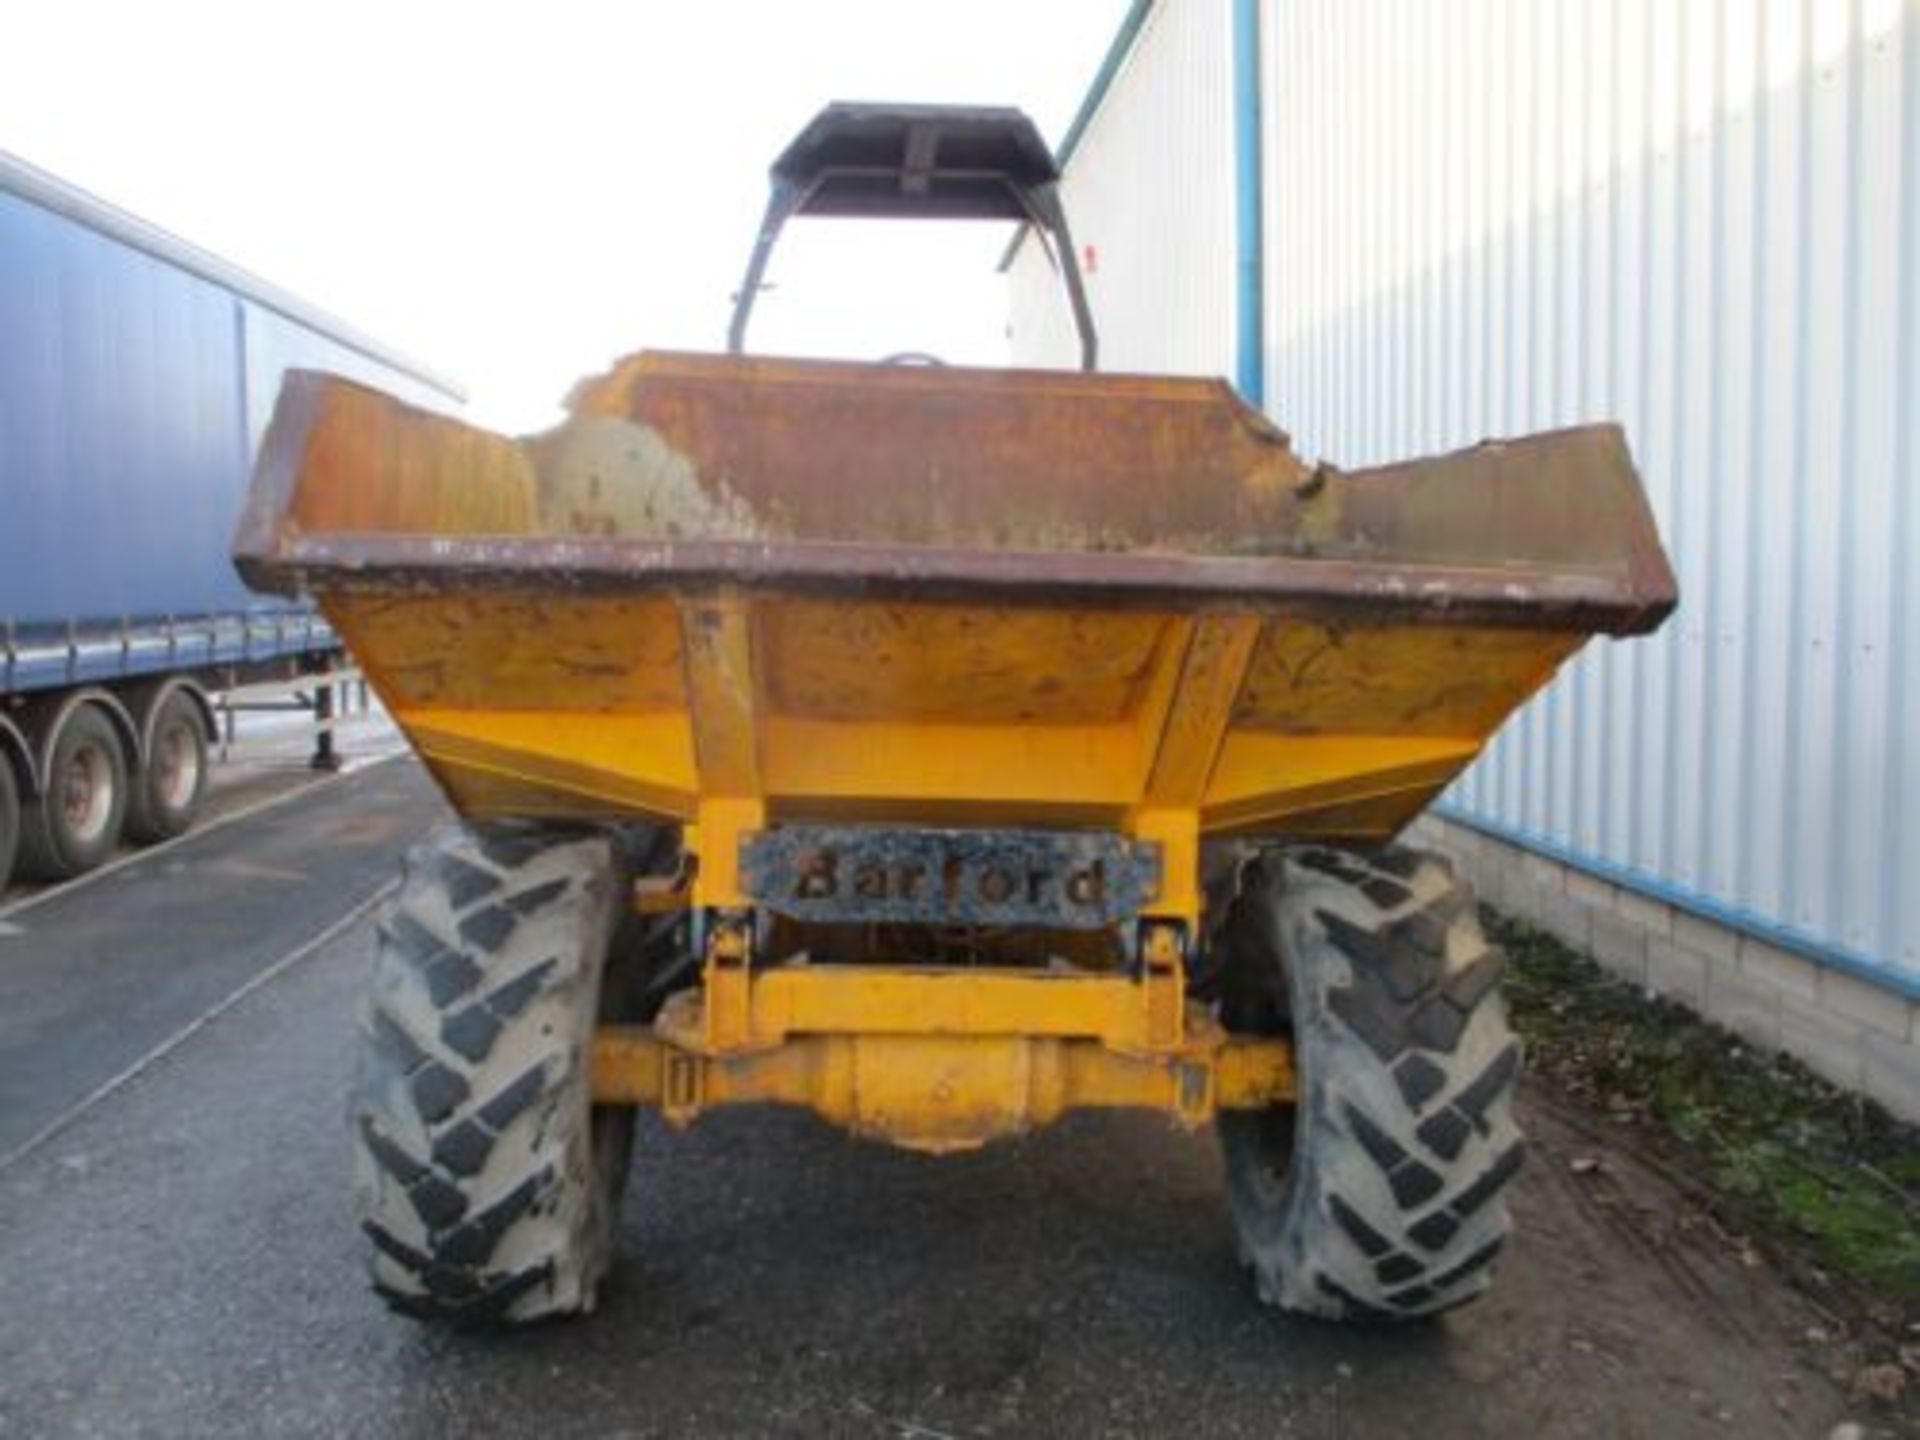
(1114, 491)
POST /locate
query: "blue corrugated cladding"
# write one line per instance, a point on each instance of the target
(1702, 219)
(133, 394)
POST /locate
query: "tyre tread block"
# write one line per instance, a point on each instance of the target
(487, 928)
(1433, 1232)
(498, 1297)
(437, 1202)
(448, 973)
(471, 1032)
(405, 1302)
(1478, 1095)
(473, 1242)
(1490, 1181)
(1327, 862)
(1471, 985)
(473, 1029)
(442, 1282)
(507, 1104)
(1385, 893)
(1437, 1025)
(390, 1155)
(394, 1044)
(1385, 1151)
(536, 897)
(438, 1090)
(1380, 1024)
(1445, 1133)
(1371, 1242)
(1413, 1184)
(510, 848)
(464, 1149)
(1419, 1080)
(1381, 960)
(1477, 1261)
(1425, 932)
(1398, 1267)
(464, 881)
(395, 1248)
(1399, 861)
(514, 996)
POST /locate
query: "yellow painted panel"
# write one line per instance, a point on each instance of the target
(724, 693)
(1308, 678)
(989, 765)
(570, 704)
(854, 660)
(643, 761)
(721, 825)
(482, 793)
(1177, 832)
(820, 999)
(1266, 776)
(510, 651)
(1361, 819)
(1211, 673)
(942, 1092)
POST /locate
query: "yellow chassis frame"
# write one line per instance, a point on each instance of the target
(934, 1059)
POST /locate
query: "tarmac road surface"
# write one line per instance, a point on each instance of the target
(94, 975)
(179, 1257)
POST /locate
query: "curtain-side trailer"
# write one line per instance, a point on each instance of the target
(137, 375)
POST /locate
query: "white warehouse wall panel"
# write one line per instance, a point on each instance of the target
(1149, 190)
(1701, 219)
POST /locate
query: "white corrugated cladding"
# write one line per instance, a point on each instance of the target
(1149, 189)
(1702, 219)
(1699, 217)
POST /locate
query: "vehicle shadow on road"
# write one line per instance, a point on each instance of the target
(775, 1273)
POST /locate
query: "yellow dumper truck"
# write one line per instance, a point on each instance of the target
(940, 750)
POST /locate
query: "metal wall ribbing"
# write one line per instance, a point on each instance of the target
(1149, 188)
(1702, 219)
(1698, 217)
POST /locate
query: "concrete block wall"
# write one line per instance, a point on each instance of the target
(1859, 1035)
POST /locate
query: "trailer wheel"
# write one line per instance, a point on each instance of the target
(1380, 1196)
(9, 820)
(486, 1179)
(165, 796)
(74, 823)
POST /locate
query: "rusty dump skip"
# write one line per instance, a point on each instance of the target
(952, 596)
(680, 468)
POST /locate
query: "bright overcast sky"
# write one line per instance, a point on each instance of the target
(516, 193)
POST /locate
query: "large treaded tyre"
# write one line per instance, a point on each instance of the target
(73, 825)
(486, 1179)
(9, 820)
(1380, 1196)
(164, 794)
